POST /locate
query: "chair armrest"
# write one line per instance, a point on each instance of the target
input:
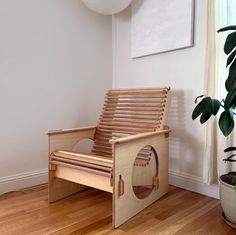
(63, 131)
(68, 138)
(139, 136)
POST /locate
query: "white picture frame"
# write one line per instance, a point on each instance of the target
(159, 26)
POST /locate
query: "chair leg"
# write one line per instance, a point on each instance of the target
(59, 188)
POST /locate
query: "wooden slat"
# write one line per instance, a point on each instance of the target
(132, 117)
(130, 132)
(137, 96)
(124, 128)
(131, 120)
(120, 101)
(104, 143)
(130, 96)
(127, 112)
(138, 136)
(127, 105)
(141, 88)
(67, 165)
(99, 153)
(150, 113)
(102, 150)
(99, 160)
(127, 109)
(127, 126)
(137, 92)
(80, 163)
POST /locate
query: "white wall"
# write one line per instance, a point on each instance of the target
(183, 70)
(55, 65)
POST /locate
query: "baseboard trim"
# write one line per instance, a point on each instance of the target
(23, 180)
(29, 179)
(193, 183)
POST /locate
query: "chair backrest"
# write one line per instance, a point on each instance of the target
(130, 111)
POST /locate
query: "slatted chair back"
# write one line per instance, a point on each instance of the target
(129, 111)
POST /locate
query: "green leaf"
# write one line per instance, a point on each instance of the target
(214, 106)
(230, 58)
(200, 96)
(230, 99)
(231, 27)
(205, 116)
(226, 122)
(229, 149)
(230, 83)
(200, 108)
(230, 43)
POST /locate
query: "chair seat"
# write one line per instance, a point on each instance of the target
(92, 161)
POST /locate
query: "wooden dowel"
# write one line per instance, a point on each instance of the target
(80, 168)
(83, 164)
(83, 157)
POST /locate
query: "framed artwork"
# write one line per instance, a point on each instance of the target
(159, 26)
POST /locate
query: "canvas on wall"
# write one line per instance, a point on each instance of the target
(161, 25)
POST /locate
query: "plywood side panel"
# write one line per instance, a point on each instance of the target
(127, 205)
(66, 141)
(60, 188)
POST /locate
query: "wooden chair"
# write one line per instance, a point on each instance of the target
(129, 157)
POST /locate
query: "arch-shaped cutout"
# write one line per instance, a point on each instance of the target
(145, 172)
(83, 146)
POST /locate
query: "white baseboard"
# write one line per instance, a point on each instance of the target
(23, 180)
(193, 183)
(29, 179)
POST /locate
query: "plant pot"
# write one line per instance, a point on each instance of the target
(228, 198)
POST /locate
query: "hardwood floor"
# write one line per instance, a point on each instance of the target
(89, 212)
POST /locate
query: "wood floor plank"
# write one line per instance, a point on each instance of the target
(27, 212)
(211, 227)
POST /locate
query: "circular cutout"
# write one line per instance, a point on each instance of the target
(83, 146)
(145, 172)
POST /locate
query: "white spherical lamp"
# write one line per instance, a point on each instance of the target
(107, 7)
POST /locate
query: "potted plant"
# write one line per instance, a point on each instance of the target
(207, 107)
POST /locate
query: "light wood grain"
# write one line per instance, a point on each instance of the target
(130, 111)
(125, 155)
(64, 140)
(131, 125)
(64, 131)
(91, 178)
(94, 159)
(179, 212)
(138, 136)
